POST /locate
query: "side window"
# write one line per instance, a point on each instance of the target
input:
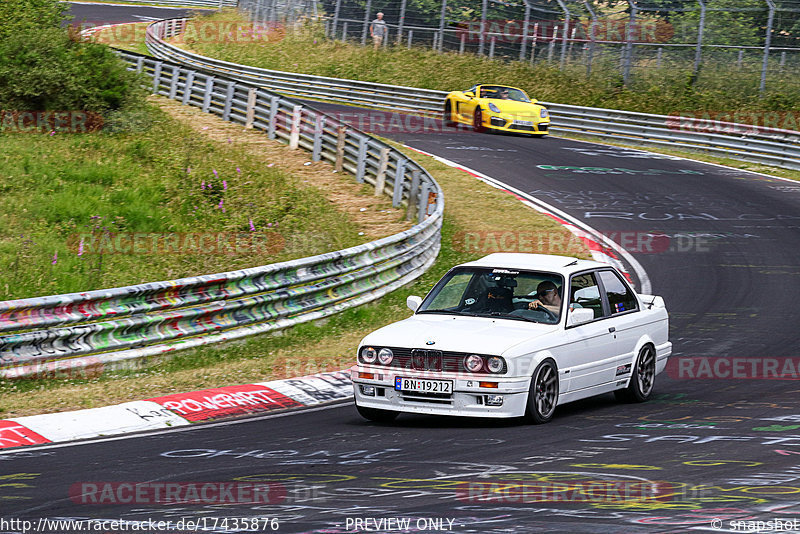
(620, 298)
(585, 293)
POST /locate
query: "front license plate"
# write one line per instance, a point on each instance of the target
(523, 123)
(422, 385)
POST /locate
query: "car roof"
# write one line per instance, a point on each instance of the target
(535, 262)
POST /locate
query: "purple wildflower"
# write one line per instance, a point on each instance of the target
(252, 226)
(55, 258)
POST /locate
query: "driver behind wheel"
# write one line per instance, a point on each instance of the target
(547, 297)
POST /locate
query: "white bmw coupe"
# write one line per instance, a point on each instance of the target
(514, 335)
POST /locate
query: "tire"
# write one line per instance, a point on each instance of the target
(477, 121)
(447, 116)
(642, 379)
(543, 393)
(377, 415)
(538, 136)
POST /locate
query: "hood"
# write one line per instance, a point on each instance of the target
(480, 335)
(517, 108)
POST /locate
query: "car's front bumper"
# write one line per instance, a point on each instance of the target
(468, 398)
(506, 124)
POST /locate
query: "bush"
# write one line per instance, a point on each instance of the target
(46, 70)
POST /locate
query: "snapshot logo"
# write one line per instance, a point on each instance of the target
(49, 122)
(569, 244)
(605, 30)
(177, 493)
(177, 243)
(191, 32)
(722, 368)
(739, 122)
(593, 491)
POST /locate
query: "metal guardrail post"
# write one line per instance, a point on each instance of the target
(226, 110)
(361, 163)
(252, 95)
(412, 194)
(187, 87)
(399, 180)
(207, 94)
(319, 129)
(294, 134)
(273, 117)
(380, 177)
(341, 137)
(157, 76)
(422, 209)
(173, 84)
(139, 64)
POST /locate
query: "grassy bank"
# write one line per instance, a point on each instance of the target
(654, 90)
(470, 206)
(72, 204)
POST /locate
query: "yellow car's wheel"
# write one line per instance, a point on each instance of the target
(477, 121)
(447, 116)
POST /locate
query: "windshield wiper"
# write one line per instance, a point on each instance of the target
(451, 312)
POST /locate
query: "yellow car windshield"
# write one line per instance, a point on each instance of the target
(504, 93)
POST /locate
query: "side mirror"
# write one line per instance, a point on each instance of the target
(534, 101)
(413, 302)
(580, 316)
(469, 94)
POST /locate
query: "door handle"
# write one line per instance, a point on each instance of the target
(612, 329)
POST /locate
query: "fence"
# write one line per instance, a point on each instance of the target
(758, 37)
(758, 144)
(123, 326)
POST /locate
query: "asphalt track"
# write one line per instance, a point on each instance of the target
(709, 450)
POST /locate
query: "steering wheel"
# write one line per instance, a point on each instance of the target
(541, 307)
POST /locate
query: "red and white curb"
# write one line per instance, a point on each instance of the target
(175, 410)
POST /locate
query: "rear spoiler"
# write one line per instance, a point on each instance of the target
(653, 301)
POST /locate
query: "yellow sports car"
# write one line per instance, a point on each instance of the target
(496, 107)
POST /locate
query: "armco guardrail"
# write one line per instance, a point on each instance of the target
(119, 327)
(744, 142)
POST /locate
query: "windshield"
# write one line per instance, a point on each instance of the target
(507, 294)
(503, 93)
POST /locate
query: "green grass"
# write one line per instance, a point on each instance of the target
(664, 90)
(57, 188)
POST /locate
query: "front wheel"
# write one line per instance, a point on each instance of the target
(447, 116)
(543, 393)
(376, 414)
(643, 379)
(477, 121)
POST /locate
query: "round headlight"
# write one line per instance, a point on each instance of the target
(473, 363)
(385, 356)
(494, 364)
(493, 107)
(543, 113)
(369, 355)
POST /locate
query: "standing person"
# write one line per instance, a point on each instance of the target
(378, 30)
